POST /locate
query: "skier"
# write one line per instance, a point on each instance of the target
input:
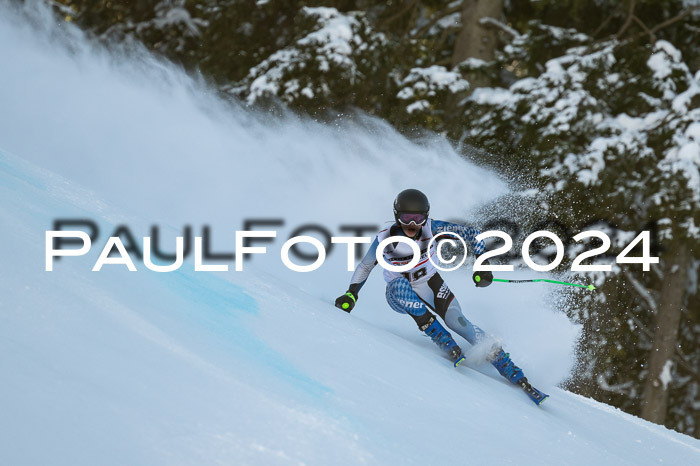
(422, 289)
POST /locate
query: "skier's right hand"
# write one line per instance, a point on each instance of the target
(346, 302)
(482, 279)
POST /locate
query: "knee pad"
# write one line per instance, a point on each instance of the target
(403, 299)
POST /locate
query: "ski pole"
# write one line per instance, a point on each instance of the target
(589, 287)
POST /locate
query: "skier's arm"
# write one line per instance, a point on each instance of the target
(347, 301)
(468, 234)
(364, 268)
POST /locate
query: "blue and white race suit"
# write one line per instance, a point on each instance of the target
(421, 288)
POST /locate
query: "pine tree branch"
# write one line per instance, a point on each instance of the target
(445, 33)
(652, 36)
(493, 22)
(437, 17)
(444, 62)
(675, 19)
(407, 6)
(642, 292)
(652, 32)
(687, 365)
(412, 17)
(605, 23)
(619, 388)
(628, 21)
(640, 325)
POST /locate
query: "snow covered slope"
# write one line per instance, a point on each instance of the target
(182, 368)
(252, 367)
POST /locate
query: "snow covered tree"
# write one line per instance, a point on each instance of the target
(610, 131)
(332, 62)
(430, 94)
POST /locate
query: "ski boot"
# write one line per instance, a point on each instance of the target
(444, 340)
(514, 374)
(506, 367)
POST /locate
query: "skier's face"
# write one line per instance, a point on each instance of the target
(410, 230)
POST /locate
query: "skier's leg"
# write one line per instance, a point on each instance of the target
(500, 359)
(456, 321)
(404, 300)
(446, 306)
(438, 296)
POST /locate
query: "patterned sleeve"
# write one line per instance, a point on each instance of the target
(364, 268)
(468, 234)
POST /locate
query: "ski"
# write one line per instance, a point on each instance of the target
(534, 394)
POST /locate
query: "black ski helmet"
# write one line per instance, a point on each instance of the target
(411, 200)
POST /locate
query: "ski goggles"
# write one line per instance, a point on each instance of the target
(416, 219)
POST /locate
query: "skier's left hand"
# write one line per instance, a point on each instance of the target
(346, 302)
(482, 279)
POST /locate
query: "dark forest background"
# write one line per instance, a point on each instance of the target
(591, 109)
